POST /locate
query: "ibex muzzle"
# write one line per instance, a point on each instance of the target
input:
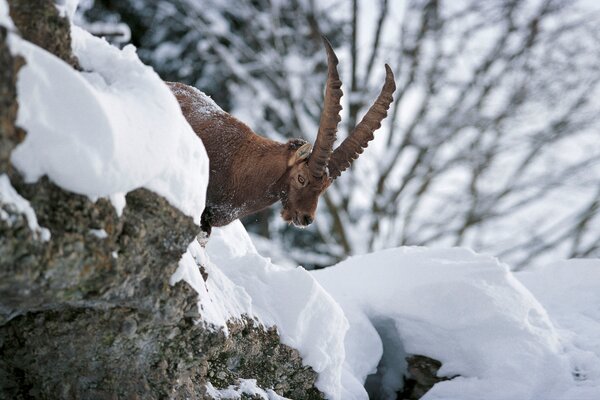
(249, 172)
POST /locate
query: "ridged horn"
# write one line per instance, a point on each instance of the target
(358, 140)
(330, 117)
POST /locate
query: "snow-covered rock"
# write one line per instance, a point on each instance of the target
(467, 311)
(10, 199)
(241, 282)
(109, 130)
(245, 387)
(491, 334)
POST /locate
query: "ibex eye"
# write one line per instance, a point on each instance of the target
(301, 179)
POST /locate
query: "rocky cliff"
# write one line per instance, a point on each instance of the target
(88, 315)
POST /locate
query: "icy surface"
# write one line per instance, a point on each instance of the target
(11, 199)
(107, 131)
(241, 282)
(465, 310)
(247, 387)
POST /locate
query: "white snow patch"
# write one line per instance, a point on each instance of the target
(241, 282)
(219, 299)
(245, 386)
(465, 310)
(570, 291)
(118, 202)
(494, 339)
(307, 317)
(67, 8)
(99, 233)
(5, 19)
(13, 200)
(107, 131)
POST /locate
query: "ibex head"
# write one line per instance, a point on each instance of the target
(309, 172)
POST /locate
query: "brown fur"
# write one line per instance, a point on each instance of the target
(247, 172)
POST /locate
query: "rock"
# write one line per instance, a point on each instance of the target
(10, 135)
(422, 375)
(41, 24)
(78, 322)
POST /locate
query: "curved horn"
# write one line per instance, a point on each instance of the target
(330, 116)
(359, 139)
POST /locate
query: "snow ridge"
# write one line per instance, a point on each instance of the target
(241, 282)
(109, 130)
(469, 311)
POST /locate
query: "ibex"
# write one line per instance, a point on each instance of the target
(249, 172)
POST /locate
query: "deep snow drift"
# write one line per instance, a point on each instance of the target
(469, 311)
(241, 282)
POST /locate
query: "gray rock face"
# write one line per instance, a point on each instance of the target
(89, 317)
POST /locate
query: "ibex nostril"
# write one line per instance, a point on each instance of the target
(307, 220)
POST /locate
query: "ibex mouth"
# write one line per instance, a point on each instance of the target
(302, 221)
(297, 222)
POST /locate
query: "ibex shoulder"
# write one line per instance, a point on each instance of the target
(194, 103)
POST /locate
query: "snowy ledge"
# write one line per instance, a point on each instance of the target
(109, 130)
(491, 334)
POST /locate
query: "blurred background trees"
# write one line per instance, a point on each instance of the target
(492, 142)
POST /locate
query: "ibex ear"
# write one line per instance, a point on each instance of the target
(302, 153)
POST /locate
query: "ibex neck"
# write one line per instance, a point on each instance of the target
(255, 182)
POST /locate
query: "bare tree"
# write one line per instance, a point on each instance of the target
(493, 136)
(492, 141)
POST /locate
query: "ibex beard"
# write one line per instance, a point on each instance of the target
(249, 172)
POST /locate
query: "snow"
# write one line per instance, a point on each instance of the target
(241, 282)
(247, 387)
(109, 130)
(467, 311)
(4, 16)
(569, 290)
(219, 299)
(99, 233)
(67, 7)
(9, 198)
